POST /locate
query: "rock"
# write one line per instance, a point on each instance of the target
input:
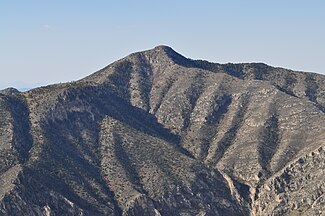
(156, 133)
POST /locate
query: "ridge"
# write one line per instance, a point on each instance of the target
(156, 133)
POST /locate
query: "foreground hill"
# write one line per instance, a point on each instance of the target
(156, 133)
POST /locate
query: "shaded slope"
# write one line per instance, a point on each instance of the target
(147, 171)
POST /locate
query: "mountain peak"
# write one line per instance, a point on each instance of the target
(162, 51)
(163, 48)
(9, 91)
(156, 133)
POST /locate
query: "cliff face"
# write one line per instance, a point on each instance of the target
(156, 133)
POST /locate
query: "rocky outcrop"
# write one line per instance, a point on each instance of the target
(156, 133)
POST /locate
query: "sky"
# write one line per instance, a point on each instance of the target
(44, 42)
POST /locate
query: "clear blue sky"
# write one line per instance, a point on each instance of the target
(45, 41)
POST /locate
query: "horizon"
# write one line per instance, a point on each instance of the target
(26, 87)
(62, 41)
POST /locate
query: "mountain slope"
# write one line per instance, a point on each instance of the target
(156, 133)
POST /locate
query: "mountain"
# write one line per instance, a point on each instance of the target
(156, 133)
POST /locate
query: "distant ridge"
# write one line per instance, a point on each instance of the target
(9, 91)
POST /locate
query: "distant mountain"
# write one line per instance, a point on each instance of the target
(156, 133)
(24, 89)
(9, 91)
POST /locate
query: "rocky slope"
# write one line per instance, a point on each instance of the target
(156, 133)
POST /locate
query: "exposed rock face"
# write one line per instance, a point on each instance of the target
(159, 134)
